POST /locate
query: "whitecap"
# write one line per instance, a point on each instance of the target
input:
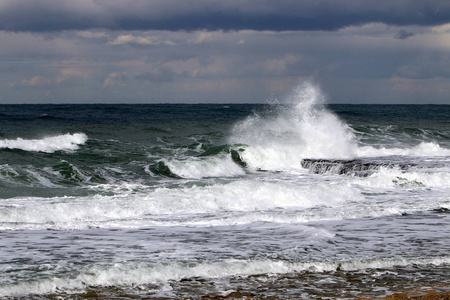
(65, 142)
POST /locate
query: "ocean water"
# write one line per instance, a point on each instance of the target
(293, 199)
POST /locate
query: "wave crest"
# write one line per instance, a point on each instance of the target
(201, 167)
(64, 142)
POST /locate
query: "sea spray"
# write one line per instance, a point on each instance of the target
(301, 127)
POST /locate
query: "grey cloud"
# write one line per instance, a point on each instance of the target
(356, 64)
(162, 75)
(174, 15)
(425, 67)
(403, 34)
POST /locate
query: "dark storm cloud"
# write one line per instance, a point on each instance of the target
(173, 15)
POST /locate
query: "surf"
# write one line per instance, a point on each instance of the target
(123, 275)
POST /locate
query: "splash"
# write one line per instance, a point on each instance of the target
(65, 142)
(301, 128)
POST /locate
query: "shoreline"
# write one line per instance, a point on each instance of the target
(413, 295)
(267, 292)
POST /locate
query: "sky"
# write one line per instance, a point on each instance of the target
(216, 51)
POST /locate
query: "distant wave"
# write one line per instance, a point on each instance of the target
(65, 142)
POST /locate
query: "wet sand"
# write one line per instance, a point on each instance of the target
(420, 284)
(425, 293)
(430, 295)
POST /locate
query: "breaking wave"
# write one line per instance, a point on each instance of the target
(193, 203)
(65, 142)
(195, 168)
(239, 202)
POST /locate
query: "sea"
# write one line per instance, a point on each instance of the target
(291, 199)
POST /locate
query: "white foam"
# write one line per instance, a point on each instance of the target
(140, 273)
(241, 197)
(234, 203)
(421, 150)
(65, 142)
(394, 177)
